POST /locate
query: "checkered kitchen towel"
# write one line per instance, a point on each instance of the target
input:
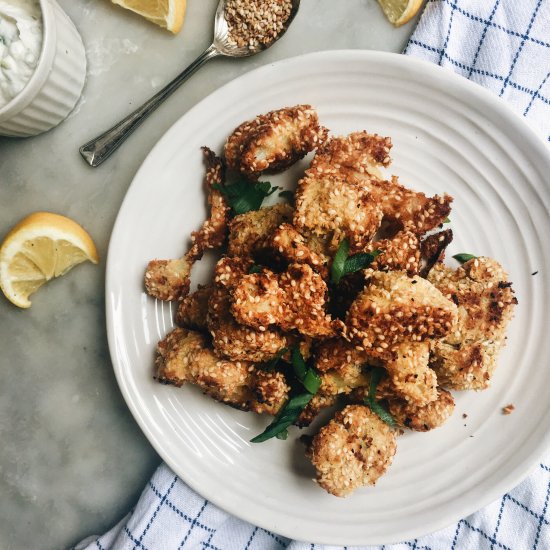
(503, 45)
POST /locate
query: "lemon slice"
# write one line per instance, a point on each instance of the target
(40, 247)
(168, 14)
(400, 12)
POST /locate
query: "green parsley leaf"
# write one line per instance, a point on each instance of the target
(339, 261)
(282, 435)
(300, 368)
(376, 375)
(384, 415)
(446, 220)
(343, 265)
(244, 196)
(255, 269)
(463, 257)
(306, 375)
(286, 194)
(311, 381)
(285, 418)
(360, 261)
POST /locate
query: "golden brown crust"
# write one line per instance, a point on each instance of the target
(466, 357)
(184, 357)
(337, 353)
(404, 207)
(400, 253)
(270, 391)
(235, 341)
(193, 309)
(332, 206)
(292, 300)
(274, 141)
(167, 280)
(394, 308)
(250, 232)
(213, 232)
(288, 244)
(423, 418)
(411, 377)
(335, 209)
(230, 269)
(353, 450)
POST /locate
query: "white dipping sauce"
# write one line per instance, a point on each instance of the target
(20, 45)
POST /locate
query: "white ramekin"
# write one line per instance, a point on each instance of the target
(54, 88)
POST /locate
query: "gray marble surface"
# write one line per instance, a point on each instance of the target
(72, 459)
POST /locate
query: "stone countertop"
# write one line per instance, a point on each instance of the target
(72, 459)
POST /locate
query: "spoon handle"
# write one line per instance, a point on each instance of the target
(100, 148)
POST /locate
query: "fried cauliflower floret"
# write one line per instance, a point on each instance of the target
(466, 357)
(423, 418)
(394, 308)
(213, 232)
(170, 279)
(356, 158)
(270, 391)
(353, 450)
(468, 366)
(288, 244)
(167, 280)
(412, 379)
(359, 152)
(274, 141)
(328, 205)
(400, 253)
(292, 300)
(404, 207)
(229, 270)
(193, 309)
(249, 232)
(184, 357)
(235, 341)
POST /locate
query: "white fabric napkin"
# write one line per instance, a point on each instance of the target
(503, 45)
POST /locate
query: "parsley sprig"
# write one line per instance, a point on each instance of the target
(296, 404)
(463, 257)
(244, 196)
(376, 375)
(343, 264)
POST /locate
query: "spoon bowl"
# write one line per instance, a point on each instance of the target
(96, 151)
(221, 33)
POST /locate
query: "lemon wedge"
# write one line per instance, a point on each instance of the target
(400, 12)
(40, 247)
(168, 14)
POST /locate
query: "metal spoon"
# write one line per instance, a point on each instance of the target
(100, 148)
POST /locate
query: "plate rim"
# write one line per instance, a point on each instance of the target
(538, 148)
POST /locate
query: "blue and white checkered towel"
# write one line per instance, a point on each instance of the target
(503, 45)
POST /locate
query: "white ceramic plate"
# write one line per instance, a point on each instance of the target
(449, 136)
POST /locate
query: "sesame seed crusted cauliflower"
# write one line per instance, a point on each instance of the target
(274, 141)
(354, 449)
(466, 358)
(334, 311)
